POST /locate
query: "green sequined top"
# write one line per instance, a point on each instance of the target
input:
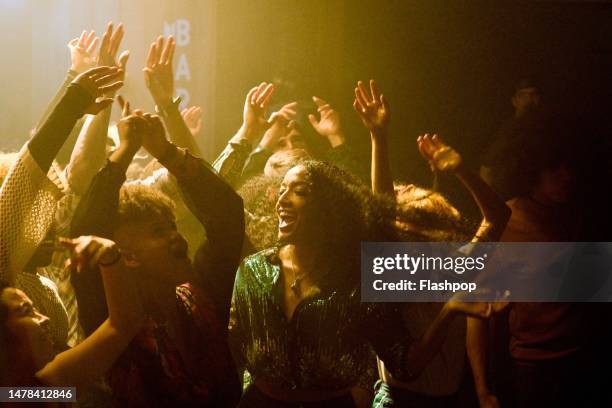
(328, 342)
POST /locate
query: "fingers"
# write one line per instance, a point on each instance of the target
(425, 147)
(360, 97)
(67, 242)
(264, 96)
(318, 101)
(83, 250)
(374, 91)
(167, 52)
(96, 72)
(358, 108)
(89, 38)
(125, 106)
(123, 59)
(105, 79)
(290, 106)
(115, 40)
(152, 56)
(250, 94)
(384, 103)
(93, 45)
(82, 38)
(287, 115)
(438, 142)
(258, 91)
(313, 121)
(104, 45)
(101, 104)
(111, 88)
(363, 92)
(159, 46)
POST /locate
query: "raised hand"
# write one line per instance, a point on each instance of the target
(131, 127)
(328, 125)
(372, 108)
(154, 140)
(440, 156)
(281, 122)
(254, 121)
(193, 119)
(89, 251)
(83, 55)
(111, 40)
(97, 82)
(159, 76)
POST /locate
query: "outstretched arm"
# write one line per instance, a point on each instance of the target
(80, 98)
(495, 213)
(96, 214)
(90, 359)
(215, 204)
(237, 159)
(407, 358)
(373, 110)
(89, 151)
(159, 78)
(26, 197)
(83, 56)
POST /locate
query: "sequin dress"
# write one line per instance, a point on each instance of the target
(327, 344)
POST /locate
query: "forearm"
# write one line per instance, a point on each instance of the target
(89, 360)
(213, 201)
(220, 209)
(255, 164)
(122, 298)
(494, 211)
(230, 162)
(382, 181)
(178, 131)
(476, 346)
(49, 138)
(70, 75)
(89, 152)
(96, 211)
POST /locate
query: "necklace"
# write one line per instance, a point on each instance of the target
(295, 286)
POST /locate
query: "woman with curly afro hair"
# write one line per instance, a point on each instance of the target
(300, 328)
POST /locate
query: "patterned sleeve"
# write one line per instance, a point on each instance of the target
(28, 200)
(230, 162)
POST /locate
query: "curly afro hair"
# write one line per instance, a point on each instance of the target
(142, 203)
(259, 195)
(426, 216)
(347, 213)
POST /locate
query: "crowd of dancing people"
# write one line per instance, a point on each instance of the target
(145, 276)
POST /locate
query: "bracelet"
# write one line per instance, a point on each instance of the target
(113, 262)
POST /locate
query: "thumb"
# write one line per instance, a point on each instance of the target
(123, 59)
(313, 121)
(147, 76)
(100, 105)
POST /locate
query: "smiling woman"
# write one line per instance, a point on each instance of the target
(318, 347)
(25, 334)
